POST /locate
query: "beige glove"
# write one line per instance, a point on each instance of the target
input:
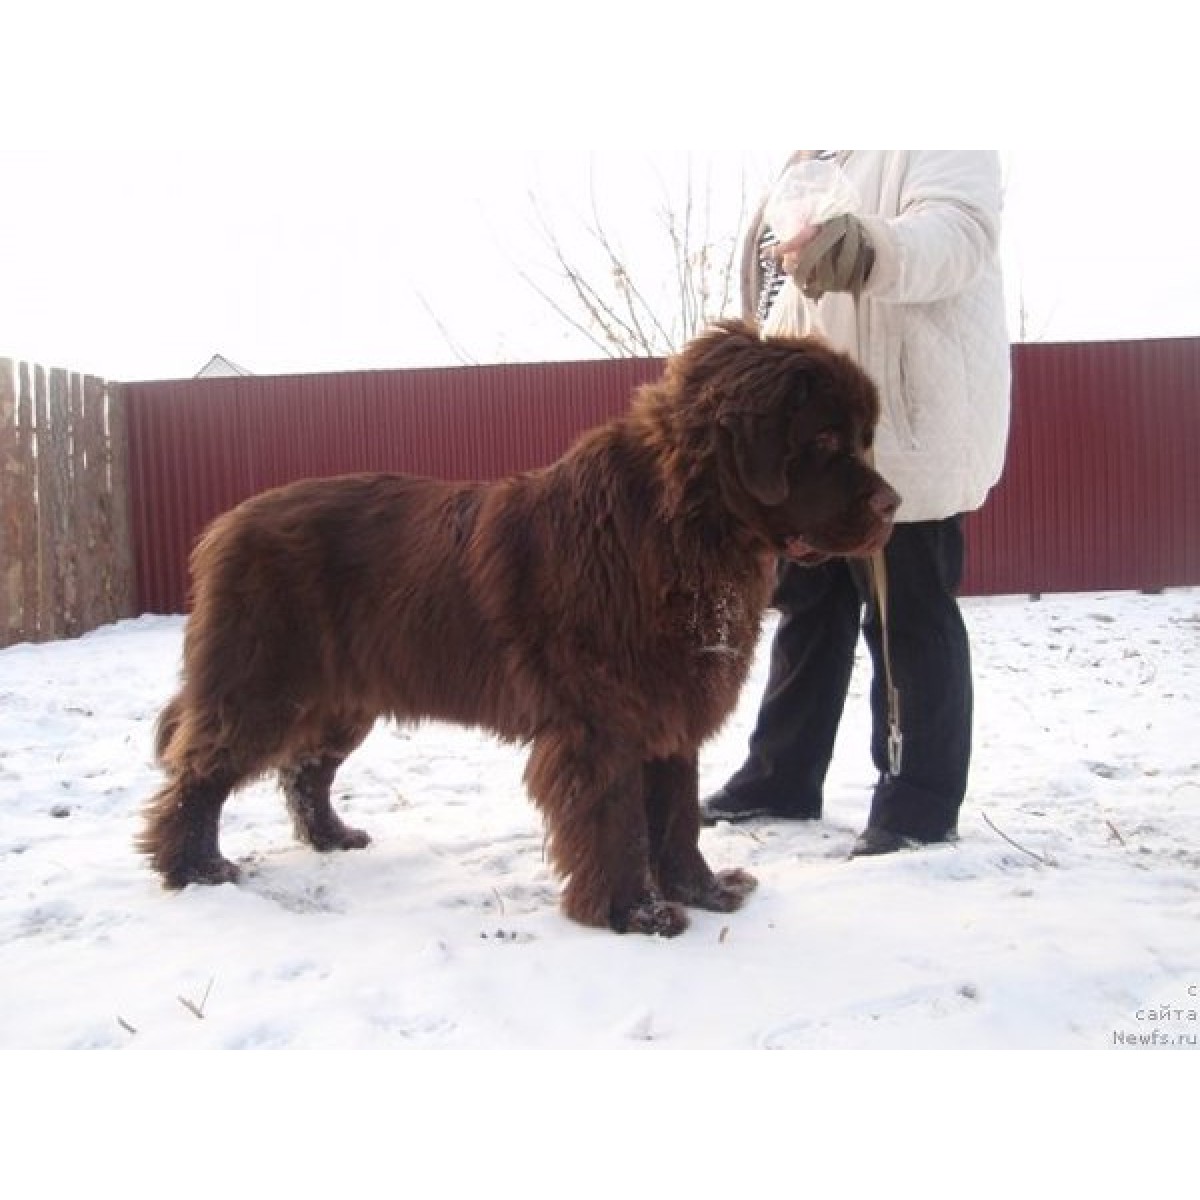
(838, 259)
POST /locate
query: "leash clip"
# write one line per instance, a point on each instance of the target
(895, 749)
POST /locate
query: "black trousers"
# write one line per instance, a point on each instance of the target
(822, 611)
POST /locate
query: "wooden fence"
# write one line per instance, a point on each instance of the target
(65, 558)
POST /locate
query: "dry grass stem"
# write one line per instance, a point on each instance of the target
(1045, 860)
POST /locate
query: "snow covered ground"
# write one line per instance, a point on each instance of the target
(1082, 932)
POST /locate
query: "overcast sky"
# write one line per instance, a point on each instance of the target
(299, 186)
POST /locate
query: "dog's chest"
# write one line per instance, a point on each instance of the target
(709, 649)
(718, 624)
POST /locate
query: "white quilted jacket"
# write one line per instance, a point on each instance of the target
(929, 326)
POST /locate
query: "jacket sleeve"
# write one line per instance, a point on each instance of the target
(946, 229)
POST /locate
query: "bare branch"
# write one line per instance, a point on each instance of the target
(456, 349)
(625, 285)
(731, 268)
(679, 254)
(615, 329)
(579, 326)
(616, 308)
(703, 298)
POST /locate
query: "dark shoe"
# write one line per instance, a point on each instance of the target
(722, 806)
(873, 840)
(879, 841)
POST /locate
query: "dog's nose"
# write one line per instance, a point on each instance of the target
(885, 501)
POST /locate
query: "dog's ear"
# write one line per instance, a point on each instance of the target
(760, 454)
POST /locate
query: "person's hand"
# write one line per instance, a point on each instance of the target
(787, 253)
(835, 256)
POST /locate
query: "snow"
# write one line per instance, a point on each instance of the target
(1082, 932)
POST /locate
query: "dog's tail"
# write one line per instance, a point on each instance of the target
(168, 723)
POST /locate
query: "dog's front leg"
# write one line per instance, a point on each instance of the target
(592, 798)
(673, 822)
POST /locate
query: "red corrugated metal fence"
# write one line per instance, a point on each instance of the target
(199, 446)
(1100, 490)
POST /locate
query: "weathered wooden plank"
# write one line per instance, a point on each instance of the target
(46, 499)
(53, 449)
(95, 526)
(27, 513)
(14, 505)
(77, 518)
(124, 584)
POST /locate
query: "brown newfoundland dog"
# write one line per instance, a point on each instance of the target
(604, 610)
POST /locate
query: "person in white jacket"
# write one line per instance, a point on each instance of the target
(910, 286)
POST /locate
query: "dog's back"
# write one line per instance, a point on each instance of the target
(331, 601)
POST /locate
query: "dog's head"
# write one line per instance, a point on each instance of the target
(793, 421)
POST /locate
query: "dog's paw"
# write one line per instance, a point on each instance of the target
(653, 916)
(735, 880)
(210, 872)
(725, 891)
(343, 838)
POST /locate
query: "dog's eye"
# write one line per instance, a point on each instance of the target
(828, 441)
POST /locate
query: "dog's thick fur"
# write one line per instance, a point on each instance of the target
(603, 610)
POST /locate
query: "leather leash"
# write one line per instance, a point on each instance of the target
(877, 570)
(895, 739)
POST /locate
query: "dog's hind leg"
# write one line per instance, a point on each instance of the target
(673, 823)
(206, 754)
(306, 778)
(181, 832)
(306, 785)
(596, 821)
